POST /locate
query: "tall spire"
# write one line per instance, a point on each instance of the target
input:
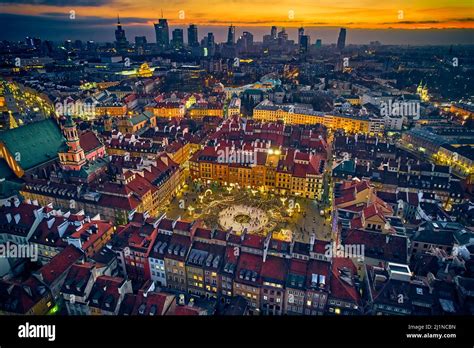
(118, 18)
(162, 13)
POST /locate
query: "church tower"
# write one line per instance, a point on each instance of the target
(75, 157)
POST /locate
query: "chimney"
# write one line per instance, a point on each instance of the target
(312, 239)
(51, 222)
(27, 290)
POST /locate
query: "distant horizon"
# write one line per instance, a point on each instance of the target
(17, 27)
(431, 22)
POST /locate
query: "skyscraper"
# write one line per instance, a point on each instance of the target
(121, 42)
(300, 34)
(193, 36)
(273, 33)
(341, 40)
(210, 39)
(304, 43)
(245, 42)
(231, 35)
(283, 35)
(140, 43)
(211, 44)
(178, 38)
(162, 33)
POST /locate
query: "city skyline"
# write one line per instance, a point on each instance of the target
(90, 19)
(418, 14)
(53, 31)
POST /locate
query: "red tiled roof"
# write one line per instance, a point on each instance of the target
(356, 222)
(141, 186)
(185, 310)
(126, 203)
(253, 241)
(392, 247)
(20, 297)
(106, 290)
(77, 273)
(341, 289)
(59, 264)
(320, 246)
(203, 233)
(166, 224)
(100, 228)
(89, 141)
(274, 269)
(298, 266)
(183, 225)
(152, 299)
(371, 210)
(346, 197)
(249, 262)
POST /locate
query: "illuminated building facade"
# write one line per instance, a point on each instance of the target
(269, 112)
(280, 171)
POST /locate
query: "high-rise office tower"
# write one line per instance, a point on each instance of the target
(162, 33)
(300, 34)
(140, 40)
(68, 45)
(78, 45)
(304, 43)
(318, 43)
(210, 39)
(283, 35)
(121, 42)
(178, 38)
(91, 46)
(33, 41)
(341, 40)
(140, 43)
(211, 44)
(231, 35)
(245, 42)
(273, 33)
(193, 36)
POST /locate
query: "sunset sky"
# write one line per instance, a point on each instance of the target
(362, 14)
